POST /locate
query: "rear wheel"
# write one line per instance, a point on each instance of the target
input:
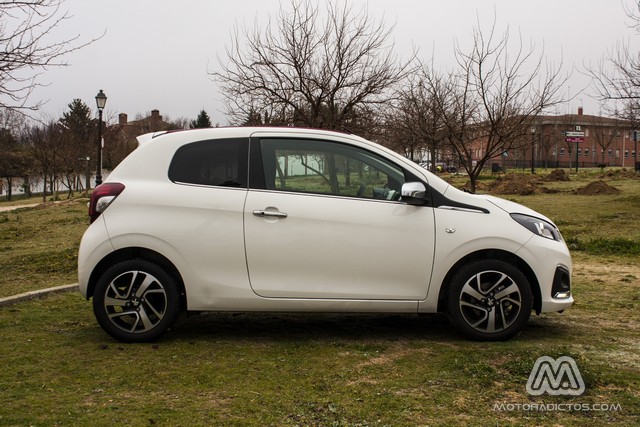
(136, 301)
(489, 300)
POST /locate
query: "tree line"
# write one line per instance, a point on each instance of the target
(59, 155)
(335, 67)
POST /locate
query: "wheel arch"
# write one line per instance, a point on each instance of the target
(125, 254)
(488, 254)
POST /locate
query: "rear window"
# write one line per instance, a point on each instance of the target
(219, 162)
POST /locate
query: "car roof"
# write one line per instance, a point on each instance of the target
(239, 131)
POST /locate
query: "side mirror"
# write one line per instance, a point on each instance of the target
(414, 193)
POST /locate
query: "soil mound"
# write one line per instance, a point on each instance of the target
(619, 174)
(480, 186)
(557, 175)
(597, 187)
(516, 183)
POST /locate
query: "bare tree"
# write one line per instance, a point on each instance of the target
(605, 132)
(45, 143)
(416, 123)
(617, 75)
(310, 69)
(493, 96)
(27, 49)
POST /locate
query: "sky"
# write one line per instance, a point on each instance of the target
(156, 54)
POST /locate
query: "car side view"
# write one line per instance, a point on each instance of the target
(301, 220)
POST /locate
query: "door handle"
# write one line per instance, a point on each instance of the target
(270, 214)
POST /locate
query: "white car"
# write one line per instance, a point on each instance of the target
(300, 220)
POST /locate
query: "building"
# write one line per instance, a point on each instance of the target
(148, 124)
(564, 141)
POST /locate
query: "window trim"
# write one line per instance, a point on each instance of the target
(257, 180)
(243, 156)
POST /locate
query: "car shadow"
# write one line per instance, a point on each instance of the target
(312, 326)
(300, 327)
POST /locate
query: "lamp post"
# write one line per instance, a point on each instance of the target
(533, 149)
(101, 101)
(636, 164)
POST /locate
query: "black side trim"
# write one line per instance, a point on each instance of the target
(440, 200)
(561, 281)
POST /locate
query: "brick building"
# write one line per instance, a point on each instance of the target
(605, 141)
(148, 124)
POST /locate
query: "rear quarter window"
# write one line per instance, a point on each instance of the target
(218, 162)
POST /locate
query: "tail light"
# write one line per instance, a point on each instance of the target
(102, 197)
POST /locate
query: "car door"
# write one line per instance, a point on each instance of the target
(324, 219)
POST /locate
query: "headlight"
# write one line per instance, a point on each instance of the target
(538, 226)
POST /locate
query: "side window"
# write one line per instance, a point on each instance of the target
(220, 162)
(324, 167)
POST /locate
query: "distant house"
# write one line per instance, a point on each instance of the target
(120, 138)
(152, 123)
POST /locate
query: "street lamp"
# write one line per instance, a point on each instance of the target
(533, 149)
(101, 101)
(636, 164)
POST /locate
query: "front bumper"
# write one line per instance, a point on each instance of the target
(551, 262)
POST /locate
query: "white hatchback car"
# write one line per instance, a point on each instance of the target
(300, 220)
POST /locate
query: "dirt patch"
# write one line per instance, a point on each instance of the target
(557, 175)
(480, 186)
(597, 187)
(516, 183)
(623, 173)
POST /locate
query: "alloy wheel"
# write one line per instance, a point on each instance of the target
(490, 301)
(135, 301)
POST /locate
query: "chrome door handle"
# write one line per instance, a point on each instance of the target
(270, 213)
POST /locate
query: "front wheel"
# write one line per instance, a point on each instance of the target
(489, 300)
(136, 301)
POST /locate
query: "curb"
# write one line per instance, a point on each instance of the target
(6, 301)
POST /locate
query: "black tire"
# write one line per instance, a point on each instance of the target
(489, 300)
(136, 301)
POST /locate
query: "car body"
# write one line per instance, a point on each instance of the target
(300, 220)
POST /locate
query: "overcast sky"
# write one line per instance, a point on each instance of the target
(156, 53)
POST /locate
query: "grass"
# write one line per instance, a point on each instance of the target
(39, 245)
(59, 368)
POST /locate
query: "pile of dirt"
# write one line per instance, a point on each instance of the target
(516, 183)
(623, 173)
(557, 175)
(480, 186)
(597, 187)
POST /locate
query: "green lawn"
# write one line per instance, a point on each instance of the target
(59, 368)
(39, 245)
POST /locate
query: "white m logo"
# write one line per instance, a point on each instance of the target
(556, 377)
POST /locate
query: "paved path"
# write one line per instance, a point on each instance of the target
(36, 294)
(14, 207)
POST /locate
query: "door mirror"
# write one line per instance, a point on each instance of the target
(414, 193)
